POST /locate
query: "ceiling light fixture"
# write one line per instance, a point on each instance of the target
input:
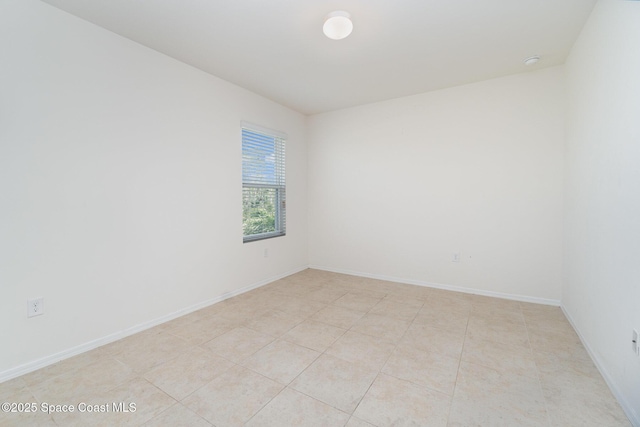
(531, 60)
(338, 25)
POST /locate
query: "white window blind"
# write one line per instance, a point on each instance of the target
(263, 184)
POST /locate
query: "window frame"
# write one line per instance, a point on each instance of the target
(279, 140)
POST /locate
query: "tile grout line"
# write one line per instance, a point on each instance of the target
(455, 386)
(538, 376)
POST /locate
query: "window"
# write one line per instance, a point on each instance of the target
(263, 184)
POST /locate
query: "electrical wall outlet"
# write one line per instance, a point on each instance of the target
(635, 345)
(35, 307)
(455, 257)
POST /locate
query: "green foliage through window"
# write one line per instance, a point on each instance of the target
(263, 185)
(258, 210)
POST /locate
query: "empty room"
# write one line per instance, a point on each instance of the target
(319, 213)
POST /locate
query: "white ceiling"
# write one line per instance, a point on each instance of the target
(398, 47)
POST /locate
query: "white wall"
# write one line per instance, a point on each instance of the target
(395, 188)
(120, 185)
(601, 293)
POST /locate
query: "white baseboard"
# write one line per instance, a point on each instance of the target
(523, 298)
(74, 351)
(631, 413)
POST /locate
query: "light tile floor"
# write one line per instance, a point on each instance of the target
(325, 349)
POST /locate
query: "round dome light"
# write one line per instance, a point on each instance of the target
(338, 25)
(531, 60)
